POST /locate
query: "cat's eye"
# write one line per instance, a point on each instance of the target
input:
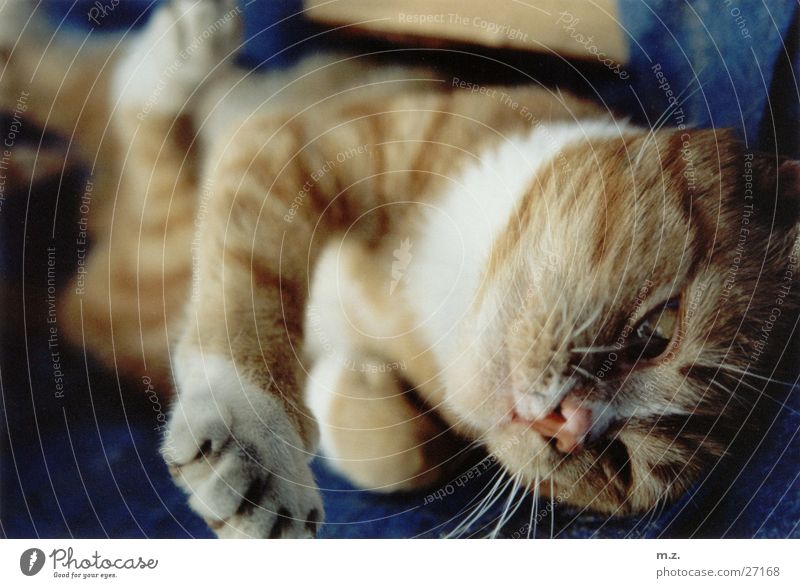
(653, 334)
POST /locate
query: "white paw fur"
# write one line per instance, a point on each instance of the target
(232, 448)
(185, 43)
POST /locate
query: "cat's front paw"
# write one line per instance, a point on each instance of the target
(233, 449)
(183, 45)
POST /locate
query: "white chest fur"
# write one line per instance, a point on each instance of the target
(457, 237)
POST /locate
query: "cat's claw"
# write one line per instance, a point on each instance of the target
(232, 448)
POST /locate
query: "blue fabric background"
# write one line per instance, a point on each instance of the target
(88, 466)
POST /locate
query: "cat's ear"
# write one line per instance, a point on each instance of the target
(704, 157)
(718, 144)
(776, 186)
(789, 195)
(771, 184)
(789, 182)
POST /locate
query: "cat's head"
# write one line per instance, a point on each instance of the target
(637, 284)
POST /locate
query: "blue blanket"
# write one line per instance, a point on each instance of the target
(87, 465)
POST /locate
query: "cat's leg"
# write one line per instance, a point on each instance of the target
(373, 428)
(231, 443)
(240, 438)
(241, 435)
(128, 298)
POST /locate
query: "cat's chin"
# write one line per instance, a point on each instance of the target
(598, 477)
(569, 477)
(522, 450)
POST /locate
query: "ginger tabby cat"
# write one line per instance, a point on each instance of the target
(297, 249)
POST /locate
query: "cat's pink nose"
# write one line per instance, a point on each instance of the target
(569, 425)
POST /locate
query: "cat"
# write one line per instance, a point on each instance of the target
(598, 305)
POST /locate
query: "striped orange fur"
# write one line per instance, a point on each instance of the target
(288, 250)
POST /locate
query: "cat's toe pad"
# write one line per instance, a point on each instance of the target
(236, 454)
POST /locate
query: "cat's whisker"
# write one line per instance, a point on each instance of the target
(534, 519)
(497, 491)
(665, 502)
(653, 511)
(515, 509)
(455, 532)
(487, 507)
(731, 393)
(664, 499)
(762, 393)
(765, 394)
(594, 349)
(530, 520)
(749, 374)
(552, 509)
(585, 373)
(504, 514)
(587, 323)
(642, 525)
(476, 443)
(751, 386)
